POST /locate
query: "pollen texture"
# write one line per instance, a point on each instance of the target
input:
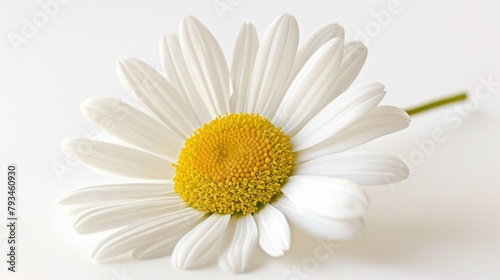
(233, 164)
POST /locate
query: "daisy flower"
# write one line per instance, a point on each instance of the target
(229, 159)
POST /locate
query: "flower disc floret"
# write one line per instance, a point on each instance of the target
(234, 164)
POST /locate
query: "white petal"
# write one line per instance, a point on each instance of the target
(338, 114)
(120, 214)
(174, 65)
(161, 248)
(153, 92)
(319, 226)
(133, 126)
(198, 241)
(354, 57)
(307, 93)
(274, 232)
(245, 51)
(380, 121)
(117, 160)
(117, 192)
(364, 168)
(272, 66)
(206, 63)
(328, 197)
(145, 233)
(240, 242)
(75, 210)
(317, 39)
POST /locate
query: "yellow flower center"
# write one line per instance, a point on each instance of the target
(233, 164)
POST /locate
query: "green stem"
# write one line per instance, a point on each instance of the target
(438, 103)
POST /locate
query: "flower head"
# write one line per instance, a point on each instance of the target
(232, 157)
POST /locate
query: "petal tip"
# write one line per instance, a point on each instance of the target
(189, 22)
(61, 200)
(286, 16)
(93, 102)
(67, 144)
(177, 264)
(127, 62)
(404, 170)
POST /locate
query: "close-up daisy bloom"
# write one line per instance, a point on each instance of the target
(228, 158)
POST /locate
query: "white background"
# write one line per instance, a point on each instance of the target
(440, 224)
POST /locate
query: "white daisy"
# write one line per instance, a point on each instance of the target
(233, 157)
